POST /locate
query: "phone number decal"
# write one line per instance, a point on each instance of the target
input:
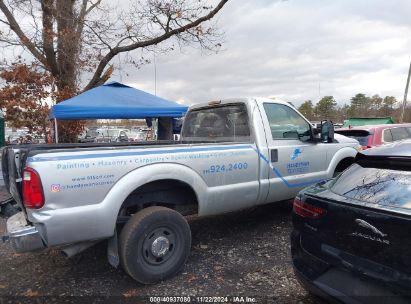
(213, 169)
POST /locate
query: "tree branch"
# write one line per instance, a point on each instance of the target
(99, 37)
(82, 16)
(23, 38)
(120, 49)
(92, 7)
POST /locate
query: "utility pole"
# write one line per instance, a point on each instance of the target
(319, 90)
(404, 103)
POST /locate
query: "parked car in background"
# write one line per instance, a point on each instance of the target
(143, 135)
(111, 135)
(375, 135)
(352, 235)
(131, 134)
(138, 135)
(23, 137)
(89, 136)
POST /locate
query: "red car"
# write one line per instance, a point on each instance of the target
(375, 135)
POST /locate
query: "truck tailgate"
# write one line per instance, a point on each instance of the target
(11, 165)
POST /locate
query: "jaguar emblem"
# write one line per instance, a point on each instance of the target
(367, 225)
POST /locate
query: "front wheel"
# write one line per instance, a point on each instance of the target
(154, 244)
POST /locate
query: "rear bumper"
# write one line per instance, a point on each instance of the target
(338, 285)
(314, 289)
(22, 236)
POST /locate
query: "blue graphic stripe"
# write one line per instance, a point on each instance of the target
(278, 173)
(135, 153)
(262, 156)
(173, 151)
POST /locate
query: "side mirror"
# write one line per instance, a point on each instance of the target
(327, 131)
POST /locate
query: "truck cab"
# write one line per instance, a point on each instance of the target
(292, 153)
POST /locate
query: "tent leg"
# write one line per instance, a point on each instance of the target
(56, 134)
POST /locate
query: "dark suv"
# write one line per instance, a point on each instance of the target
(351, 240)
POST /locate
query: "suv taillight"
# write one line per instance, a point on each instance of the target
(304, 209)
(33, 196)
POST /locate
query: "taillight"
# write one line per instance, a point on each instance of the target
(365, 147)
(304, 209)
(33, 196)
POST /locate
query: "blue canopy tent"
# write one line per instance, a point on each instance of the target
(115, 101)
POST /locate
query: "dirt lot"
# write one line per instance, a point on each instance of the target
(240, 254)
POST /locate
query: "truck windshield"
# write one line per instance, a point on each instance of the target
(222, 123)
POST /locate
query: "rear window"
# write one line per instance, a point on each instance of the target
(385, 187)
(91, 133)
(387, 136)
(400, 133)
(362, 136)
(225, 123)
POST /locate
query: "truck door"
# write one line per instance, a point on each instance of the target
(295, 159)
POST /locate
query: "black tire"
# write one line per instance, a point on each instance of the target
(154, 244)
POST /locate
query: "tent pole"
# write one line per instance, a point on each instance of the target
(56, 134)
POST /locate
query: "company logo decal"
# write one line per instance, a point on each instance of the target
(296, 153)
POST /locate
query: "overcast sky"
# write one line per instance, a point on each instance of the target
(293, 50)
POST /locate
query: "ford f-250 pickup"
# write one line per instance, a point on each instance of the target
(234, 154)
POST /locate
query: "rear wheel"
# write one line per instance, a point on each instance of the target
(154, 244)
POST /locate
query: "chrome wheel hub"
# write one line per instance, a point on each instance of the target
(160, 246)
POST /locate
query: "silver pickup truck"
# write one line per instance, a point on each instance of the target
(234, 154)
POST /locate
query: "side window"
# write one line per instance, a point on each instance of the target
(387, 136)
(227, 123)
(285, 123)
(399, 133)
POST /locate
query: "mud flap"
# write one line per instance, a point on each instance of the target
(112, 250)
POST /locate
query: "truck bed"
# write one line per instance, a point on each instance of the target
(12, 170)
(33, 149)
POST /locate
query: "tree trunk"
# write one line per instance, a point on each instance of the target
(67, 48)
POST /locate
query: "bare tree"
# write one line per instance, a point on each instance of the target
(77, 40)
(69, 37)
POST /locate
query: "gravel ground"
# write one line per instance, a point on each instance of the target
(240, 254)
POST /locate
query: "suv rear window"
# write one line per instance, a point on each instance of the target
(385, 187)
(225, 123)
(362, 136)
(400, 133)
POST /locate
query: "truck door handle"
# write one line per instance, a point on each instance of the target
(274, 155)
